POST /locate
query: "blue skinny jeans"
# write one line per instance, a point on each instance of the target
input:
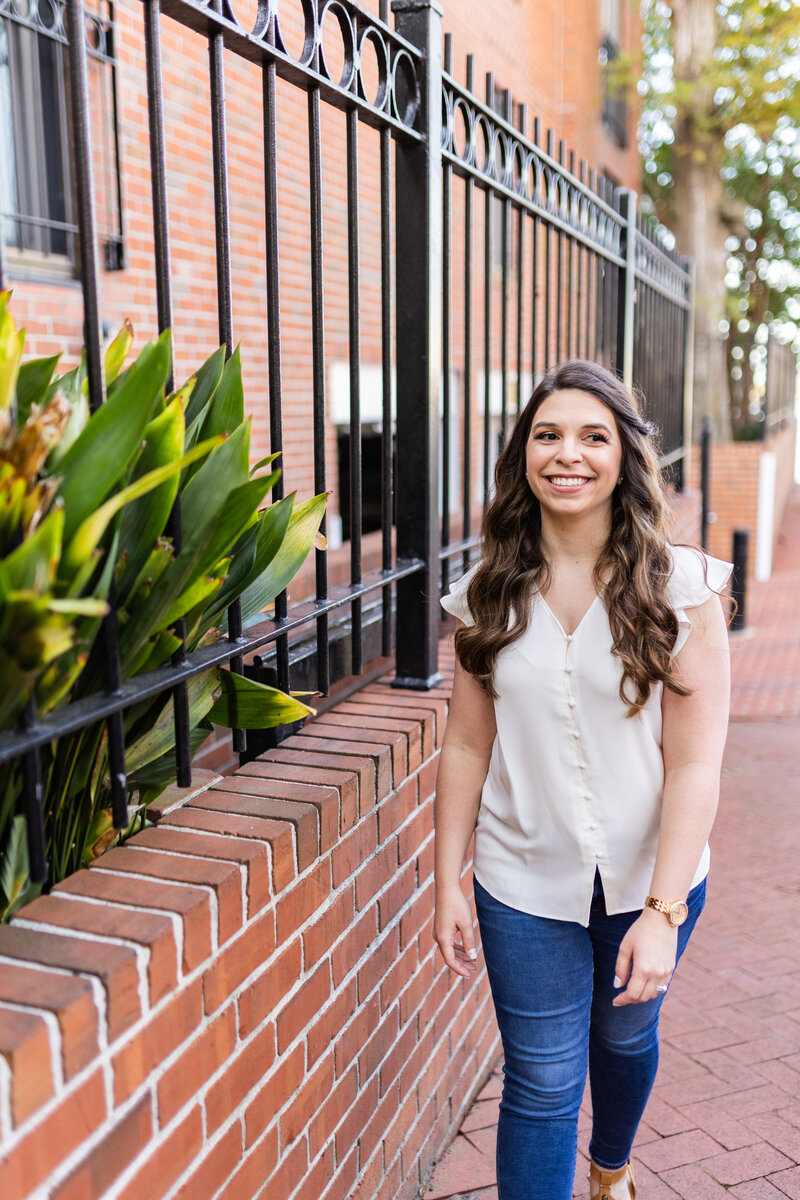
(552, 984)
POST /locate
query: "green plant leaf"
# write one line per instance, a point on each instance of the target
(11, 345)
(32, 566)
(245, 704)
(157, 775)
(246, 569)
(160, 738)
(92, 529)
(290, 557)
(226, 410)
(15, 870)
(100, 456)
(265, 462)
(144, 520)
(33, 385)
(206, 382)
(117, 352)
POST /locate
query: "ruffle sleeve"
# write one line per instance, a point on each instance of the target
(696, 577)
(455, 602)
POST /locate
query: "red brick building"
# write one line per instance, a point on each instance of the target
(548, 54)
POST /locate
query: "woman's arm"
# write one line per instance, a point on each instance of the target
(463, 764)
(693, 739)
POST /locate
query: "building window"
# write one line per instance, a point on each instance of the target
(615, 103)
(37, 210)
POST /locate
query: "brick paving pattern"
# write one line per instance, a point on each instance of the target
(724, 1117)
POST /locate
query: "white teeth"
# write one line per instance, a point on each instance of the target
(567, 480)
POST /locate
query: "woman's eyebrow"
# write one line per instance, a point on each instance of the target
(554, 425)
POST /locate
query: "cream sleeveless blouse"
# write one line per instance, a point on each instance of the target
(573, 784)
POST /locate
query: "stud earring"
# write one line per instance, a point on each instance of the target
(619, 480)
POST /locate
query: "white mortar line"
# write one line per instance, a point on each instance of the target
(165, 823)
(151, 879)
(141, 952)
(174, 917)
(231, 862)
(54, 1037)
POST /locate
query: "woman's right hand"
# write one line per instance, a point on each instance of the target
(452, 930)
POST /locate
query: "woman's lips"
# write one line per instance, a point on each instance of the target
(567, 483)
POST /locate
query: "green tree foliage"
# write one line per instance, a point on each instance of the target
(732, 116)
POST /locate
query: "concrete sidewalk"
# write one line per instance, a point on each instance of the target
(724, 1118)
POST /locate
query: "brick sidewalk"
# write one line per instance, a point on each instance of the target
(724, 1118)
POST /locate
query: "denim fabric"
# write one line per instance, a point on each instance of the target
(552, 986)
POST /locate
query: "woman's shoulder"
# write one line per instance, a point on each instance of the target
(695, 577)
(455, 602)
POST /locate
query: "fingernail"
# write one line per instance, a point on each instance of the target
(473, 953)
(617, 981)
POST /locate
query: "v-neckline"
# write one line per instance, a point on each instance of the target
(569, 636)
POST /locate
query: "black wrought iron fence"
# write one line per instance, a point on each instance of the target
(564, 266)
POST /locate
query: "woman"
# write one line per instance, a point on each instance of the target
(583, 747)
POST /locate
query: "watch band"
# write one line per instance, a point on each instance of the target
(676, 911)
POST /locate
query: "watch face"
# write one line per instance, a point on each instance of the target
(678, 912)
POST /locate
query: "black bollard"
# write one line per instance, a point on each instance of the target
(705, 479)
(741, 538)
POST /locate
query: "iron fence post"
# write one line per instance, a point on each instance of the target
(626, 202)
(419, 333)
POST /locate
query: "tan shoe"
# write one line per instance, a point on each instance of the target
(612, 1185)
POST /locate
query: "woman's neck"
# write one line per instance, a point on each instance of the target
(576, 541)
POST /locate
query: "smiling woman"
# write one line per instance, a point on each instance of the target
(585, 755)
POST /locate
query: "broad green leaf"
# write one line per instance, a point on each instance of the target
(33, 385)
(144, 520)
(155, 776)
(33, 564)
(16, 686)
(290, 557)
(92, 529)
(154, 653)
(161, 737)
(270, 532)
(226, 410)
(87, 607)
(15, 870)
(57, 680)
(11, 345)
(199, 592)
(158, 560)
(100, 456)
(245, 704)
(265, 462)
(206, 382)
(205, 540)
(214, 479)
(78, 418)
(12, 500)
(117, 352)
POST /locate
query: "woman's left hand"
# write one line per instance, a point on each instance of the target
(647, 953)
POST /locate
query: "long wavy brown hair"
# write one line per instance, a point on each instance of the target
(630, 574)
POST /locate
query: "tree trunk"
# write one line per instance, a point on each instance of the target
(698, 195)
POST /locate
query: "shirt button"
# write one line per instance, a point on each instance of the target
(571, 701)
(575, 733)
(568, 669)
(568, 636)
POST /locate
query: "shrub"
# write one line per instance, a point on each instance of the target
(85, 504)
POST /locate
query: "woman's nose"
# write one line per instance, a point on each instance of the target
(569, 450)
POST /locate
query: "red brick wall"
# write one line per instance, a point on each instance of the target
(547, 55)
(734, 470)
(248, 997)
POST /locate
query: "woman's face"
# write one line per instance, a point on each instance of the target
(574, 454)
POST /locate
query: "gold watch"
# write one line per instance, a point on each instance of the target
(676, 912)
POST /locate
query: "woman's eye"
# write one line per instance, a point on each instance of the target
(544, 437)
(598, 437)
